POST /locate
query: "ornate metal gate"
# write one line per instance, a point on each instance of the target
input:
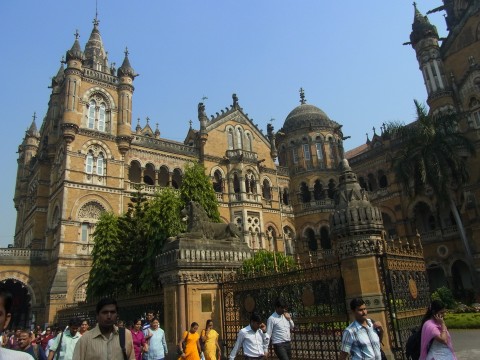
(405, 285)
(316, 298)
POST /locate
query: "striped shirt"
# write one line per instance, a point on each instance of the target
(361, 342)
(93, 345)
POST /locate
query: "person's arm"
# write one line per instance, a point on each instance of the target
(270, 326)
(80, 351)
(219, 350)
(238, 343)
(181, 341)
(265, 338)
(199, 348)
(377, 325)
(288, 317)
(53, 348)
(346, 345)
(203, 335)
(441, 337)
(164, 343)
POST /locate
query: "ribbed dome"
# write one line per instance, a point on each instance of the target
(305, 116)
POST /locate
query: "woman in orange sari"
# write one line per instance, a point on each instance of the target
(192, 349)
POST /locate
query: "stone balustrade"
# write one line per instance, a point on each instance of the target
(22, 256)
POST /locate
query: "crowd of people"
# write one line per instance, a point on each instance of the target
(110, 339)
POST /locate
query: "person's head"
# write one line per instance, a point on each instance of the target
(359, 309)
(84, 327)
(150, 315)
(5, 309)
(24, 339)
(435, 307)
(209, 324)
(74, 324)
(48, 331)
(255, 321)
(120, 323)
(107, 310)
(280, 306)
(155, 323)
(137, 324)
(193, 327)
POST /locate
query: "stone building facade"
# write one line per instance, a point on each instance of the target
(278, 187)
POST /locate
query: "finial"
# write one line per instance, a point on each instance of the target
(302, 97)
(148, 119)
(414, 4)
(95, 21)
(271, 120)
(204, 98)
(34, 115)
(156, 125)
(374, 133)
(63, 60)
(235, 100)
(190, 122)
(138, 121)
(126, 51)
(77, 35)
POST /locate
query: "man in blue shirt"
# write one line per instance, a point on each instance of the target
(279, 326)
(362, 338)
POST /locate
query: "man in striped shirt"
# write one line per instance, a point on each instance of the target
(362, 338)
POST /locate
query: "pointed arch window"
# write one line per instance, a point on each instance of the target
(101, 117)
(89, 163)
(306, 151)
(91, 114)
(318, 193)
(85, 232)
(230, 139)
(100, 165)
(239, 138)
(217, 182)
(305, 195)
(294, 155)
(266, 190)
(248, 142)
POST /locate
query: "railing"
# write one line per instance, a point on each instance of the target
(219, 196)
(325, 203)
(16, 254)
(240, 155)
(378, 193)
(430, 236)
(100, 76)
(450, 231)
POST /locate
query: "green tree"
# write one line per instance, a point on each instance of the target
(197, 186)
(105, 275)
(444, 294)
(433, 154)
(163, 220)
(267, 262)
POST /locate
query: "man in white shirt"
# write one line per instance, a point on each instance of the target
(279, 326)
(5, 317)
(253, 339)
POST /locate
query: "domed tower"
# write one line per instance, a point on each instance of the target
(424, 40)
(310, 145)
(73, 78)
(126, 75)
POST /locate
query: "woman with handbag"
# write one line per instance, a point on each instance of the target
(209, 339)
(189, 345)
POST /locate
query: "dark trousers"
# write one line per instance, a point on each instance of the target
(253, 358)
(283, 350)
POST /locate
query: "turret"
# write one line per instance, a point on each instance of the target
(74, 60)
(95, 54)
(126, 75)
(424, 40)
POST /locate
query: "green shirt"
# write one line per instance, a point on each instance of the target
(68, 345)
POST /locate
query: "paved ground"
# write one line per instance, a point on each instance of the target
(466, 344)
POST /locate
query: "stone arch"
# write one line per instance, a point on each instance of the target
(105, 94)
(135, 171)
(91, 143)
(177, 178)
(100, 200)
(55, 215)
(267, 188)
(34, 291)
(311, 238)
(163, 176)
(419, 198)
(76, 284)
(149, 174)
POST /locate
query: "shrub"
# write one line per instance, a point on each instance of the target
(444, 294)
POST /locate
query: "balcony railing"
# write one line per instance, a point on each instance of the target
(241, 155)
(21, 255)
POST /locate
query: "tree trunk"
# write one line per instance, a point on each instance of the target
(461, 229)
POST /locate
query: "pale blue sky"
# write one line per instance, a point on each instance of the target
(347, 55)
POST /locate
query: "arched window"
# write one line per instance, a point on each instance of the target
(331, 188)
(266, 190)
(305, 195)
(325, 242)
(286, 196)
(372, 182)
(100, 165)
(311, 240)
(163, 176)
(89, 163)
(217, 182)
(236, 183)
(177, 178)
(149, 175)
(363, 184)
(319, 150)
(248, 142)
(306, 151)
(135, 172)
(294, 155)
(318, 190)
(91, 114)
(250, 183)
(382, 179)
(101, 117)
(230, 139)
(239, 138)
(85, 235)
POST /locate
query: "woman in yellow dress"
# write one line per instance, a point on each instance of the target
(192, 341)
(210, 339)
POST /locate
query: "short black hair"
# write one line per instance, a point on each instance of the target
(106, 301)
(356, 302)
(255, 317)
(280, 303)
(7, 301)
(192, 325)
(76, 321)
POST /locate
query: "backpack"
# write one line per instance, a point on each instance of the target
(121, 334)
(414, 342)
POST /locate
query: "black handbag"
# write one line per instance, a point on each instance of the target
(184, 346)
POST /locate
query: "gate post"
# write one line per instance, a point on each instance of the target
(358, 232)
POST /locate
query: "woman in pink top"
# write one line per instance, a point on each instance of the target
(436, 342)
(138, 338)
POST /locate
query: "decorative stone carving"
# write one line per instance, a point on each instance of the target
(91, 210)
(200, 226)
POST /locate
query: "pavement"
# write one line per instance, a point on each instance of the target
(466, 344)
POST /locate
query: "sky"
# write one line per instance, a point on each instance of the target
(347, 56)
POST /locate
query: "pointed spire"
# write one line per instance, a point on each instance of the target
(302, 97)
(95, 54)
(157, 131)
(421, 27)
(32, 130)
(138, 128)
(75, 53)
(57, 79)
(126, 69)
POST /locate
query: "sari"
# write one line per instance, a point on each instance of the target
(432, 349)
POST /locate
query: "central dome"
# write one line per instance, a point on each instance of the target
(306, 116)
